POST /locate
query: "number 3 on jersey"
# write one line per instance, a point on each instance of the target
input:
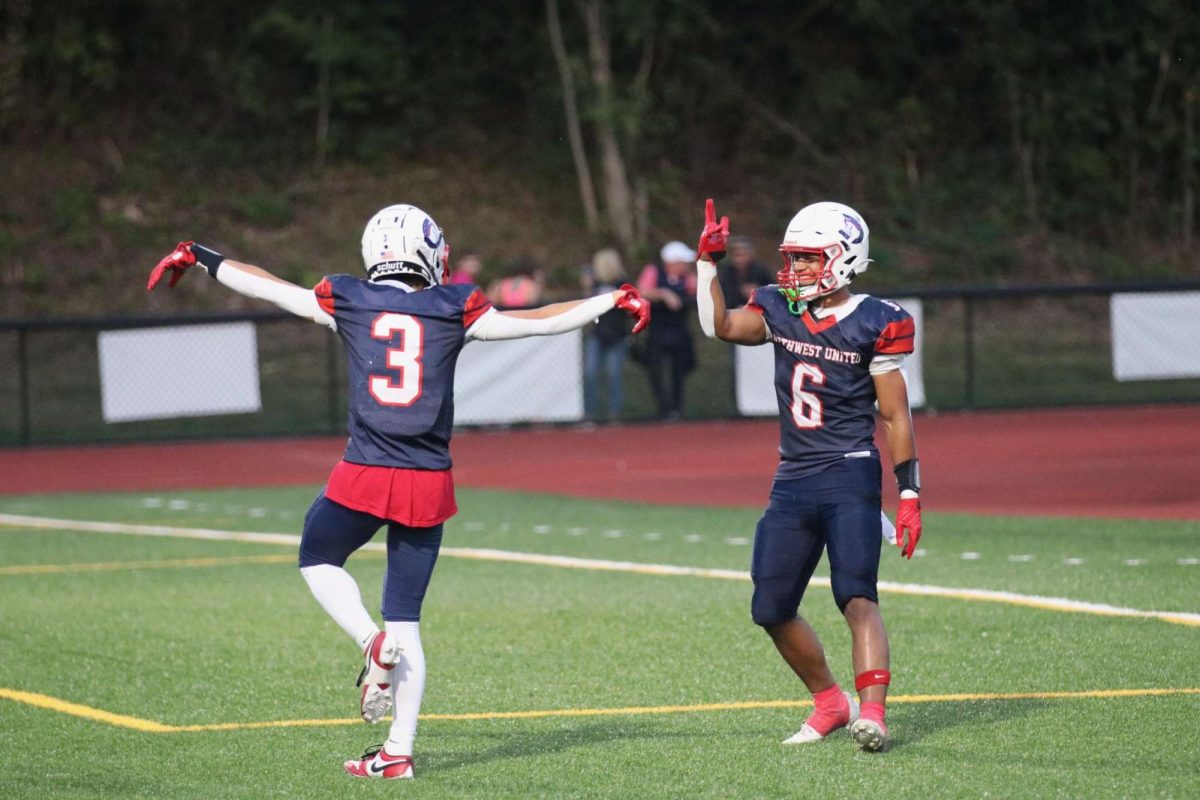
(807, 409)
(403, 386)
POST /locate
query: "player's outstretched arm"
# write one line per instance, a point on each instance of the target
(256, 282)
(559, 317)
(736, 325)
(892, 393)
(243, 278)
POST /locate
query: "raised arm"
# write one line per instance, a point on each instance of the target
(245, 279)
(559, 317)
(730, 325)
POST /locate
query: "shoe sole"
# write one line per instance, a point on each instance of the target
(376, 702)
(870, 736)
(376, 698)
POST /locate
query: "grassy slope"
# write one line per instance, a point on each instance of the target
(84, 220)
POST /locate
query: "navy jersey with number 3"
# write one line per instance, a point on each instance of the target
(822, 376)
(401, 348)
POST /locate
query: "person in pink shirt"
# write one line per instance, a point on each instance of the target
(466, 269)
(521, 289)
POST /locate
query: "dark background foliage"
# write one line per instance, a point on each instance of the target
(987, 143)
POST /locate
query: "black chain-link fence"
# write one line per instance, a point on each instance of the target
(94, 380)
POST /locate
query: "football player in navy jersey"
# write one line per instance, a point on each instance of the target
(403, 330)
(836, 355)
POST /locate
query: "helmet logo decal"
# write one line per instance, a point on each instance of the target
(852, 229)
(432, 233)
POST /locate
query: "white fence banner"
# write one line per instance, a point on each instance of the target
(180, 371)
(754, 371)
(539, 379)
(1155, 335)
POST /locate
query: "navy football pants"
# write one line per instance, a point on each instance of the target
(837, 509)
(332, 532)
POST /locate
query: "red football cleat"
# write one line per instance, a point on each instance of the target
(380, 657)
(808, 733)
(376, 763)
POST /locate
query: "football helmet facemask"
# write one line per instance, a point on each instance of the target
(835, 232)
(404, 240)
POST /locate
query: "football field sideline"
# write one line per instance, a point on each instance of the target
(44, 701)
(1059, 604)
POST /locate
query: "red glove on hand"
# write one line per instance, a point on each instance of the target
(908, 520)
(635, 306)
(714, 236)
(179, 260)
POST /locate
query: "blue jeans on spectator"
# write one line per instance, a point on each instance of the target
(610, 357)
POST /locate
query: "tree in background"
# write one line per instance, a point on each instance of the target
(621, 41)
(976, 133)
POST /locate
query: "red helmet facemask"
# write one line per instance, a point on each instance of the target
(826, 282)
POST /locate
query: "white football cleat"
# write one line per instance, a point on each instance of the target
(379, 657)
(808, 733)
(377, 763)
(872, 736)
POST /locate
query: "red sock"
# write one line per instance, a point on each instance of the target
(872, 677)
(872, 711)
(830, 711)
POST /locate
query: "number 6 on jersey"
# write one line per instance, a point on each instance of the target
(807, 410)
(405, 359)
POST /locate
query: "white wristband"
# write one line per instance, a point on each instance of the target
(706, 272)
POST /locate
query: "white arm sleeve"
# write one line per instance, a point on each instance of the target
(886, 363)
(706, 273)
(494, 325)
(295, 299)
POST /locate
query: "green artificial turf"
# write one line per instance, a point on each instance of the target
(198, 643)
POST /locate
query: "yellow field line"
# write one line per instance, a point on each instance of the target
(149, 726)
(87, 712)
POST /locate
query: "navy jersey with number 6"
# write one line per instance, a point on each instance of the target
(822, 376)
(402, 348)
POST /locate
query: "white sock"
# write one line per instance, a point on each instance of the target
(408, 686)
(338, 594)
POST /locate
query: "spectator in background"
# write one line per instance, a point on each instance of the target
(466, 269)
(742, 273)
(670, 354)
(521, 288)
(605, 346)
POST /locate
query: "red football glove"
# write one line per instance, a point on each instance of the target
(635, 306)
(714, 236)
(179, 260)
(908, 520)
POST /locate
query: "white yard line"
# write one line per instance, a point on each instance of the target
(570, 562)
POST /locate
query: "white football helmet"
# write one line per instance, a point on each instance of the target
(404, 240)
(838, 234)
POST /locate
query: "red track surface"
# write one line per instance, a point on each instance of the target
(1121, 462)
